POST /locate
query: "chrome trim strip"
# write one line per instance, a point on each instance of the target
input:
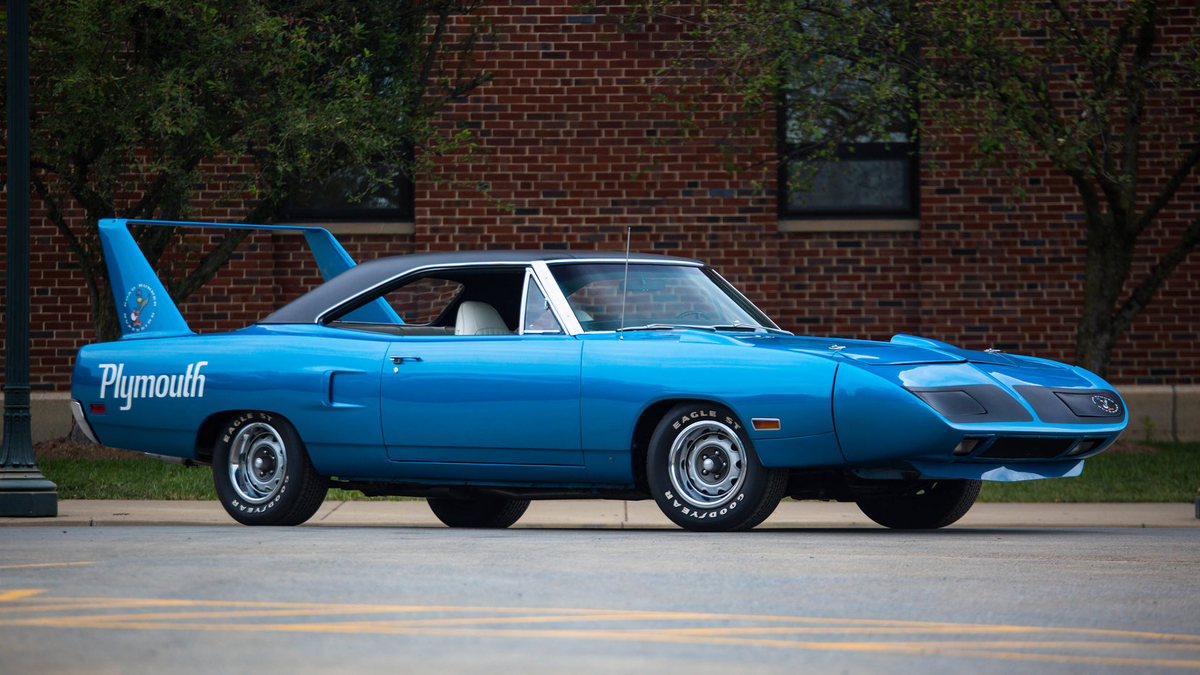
(524, 299)
(632, 261)
(558, 301)
(81, 420)
(531, 275)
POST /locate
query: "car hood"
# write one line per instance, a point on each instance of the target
(901, 350)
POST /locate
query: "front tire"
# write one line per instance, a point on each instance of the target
(262, 472)
(928, 506)
(704, 473)
(482, 512)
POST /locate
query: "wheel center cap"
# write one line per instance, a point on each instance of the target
(708, 464)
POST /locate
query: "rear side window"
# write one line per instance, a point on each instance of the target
(422, 301)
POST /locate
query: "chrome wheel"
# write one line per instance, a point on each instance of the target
(257, 463)
(707, 464)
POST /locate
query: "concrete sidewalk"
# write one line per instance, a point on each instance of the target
(595, 514)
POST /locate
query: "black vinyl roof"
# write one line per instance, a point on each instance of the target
(310, 306)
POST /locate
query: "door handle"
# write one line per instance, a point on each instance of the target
(401, 359)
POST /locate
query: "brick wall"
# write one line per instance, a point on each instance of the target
(571, 145)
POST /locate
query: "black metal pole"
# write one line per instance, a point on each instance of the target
(24, 491)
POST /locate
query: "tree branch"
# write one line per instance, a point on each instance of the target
(1144, 293)
(81, 253)
(1169, 188)
(1135, 93)
(214, 259)
(149, 201)
(1075, 36)
(433, 46)
(209, 265)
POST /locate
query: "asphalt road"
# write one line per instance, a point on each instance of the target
(221, 599)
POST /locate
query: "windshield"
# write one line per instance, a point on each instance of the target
(657, 296)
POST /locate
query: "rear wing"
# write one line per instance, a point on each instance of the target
(144, 307)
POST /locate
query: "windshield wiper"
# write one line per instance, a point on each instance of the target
(664, 326)
(751, 329)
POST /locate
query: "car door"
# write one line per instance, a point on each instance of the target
(494, 397)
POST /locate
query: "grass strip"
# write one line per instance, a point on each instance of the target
(1170, 475)
(145, 479)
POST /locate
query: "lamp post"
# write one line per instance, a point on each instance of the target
(24, 491)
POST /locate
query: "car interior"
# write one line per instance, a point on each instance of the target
(450, 302)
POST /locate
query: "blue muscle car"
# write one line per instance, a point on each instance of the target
(483, 380)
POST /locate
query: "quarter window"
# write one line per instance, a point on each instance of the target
(537, 316)
(421, 302)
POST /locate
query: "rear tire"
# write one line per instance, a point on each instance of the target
(262, 472)
(481, 512)
(704, 473)
(931, 505)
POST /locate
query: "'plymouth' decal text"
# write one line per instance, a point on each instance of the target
(129, 387)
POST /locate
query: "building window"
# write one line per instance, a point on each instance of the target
(343, 197)
(870, 176)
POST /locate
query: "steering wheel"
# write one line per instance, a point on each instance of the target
(695, 313)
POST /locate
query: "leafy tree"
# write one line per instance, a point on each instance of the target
(132, 99)
(1084, 85)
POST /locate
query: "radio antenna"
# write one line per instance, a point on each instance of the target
(625, 284)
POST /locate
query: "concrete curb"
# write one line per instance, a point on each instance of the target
(596, 514)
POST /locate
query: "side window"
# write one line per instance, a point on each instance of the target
(479, 301)
(421, 302)
(536, 317)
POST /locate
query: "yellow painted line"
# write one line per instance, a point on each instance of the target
(9, 596)
(173, 616)
(369, 608)
(1048, 644)
(58, 604)
(52, 607)
(950, 649)
(932, 630)
(61, 564)
(471, 622)
(636, 614)
(642, 614)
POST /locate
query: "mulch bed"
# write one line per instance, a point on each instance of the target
(65, 448)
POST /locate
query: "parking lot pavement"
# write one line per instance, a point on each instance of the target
(593, 514)
(203, 599)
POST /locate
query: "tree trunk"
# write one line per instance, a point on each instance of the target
(1109, 259)
(1094, 343)
(105, 316)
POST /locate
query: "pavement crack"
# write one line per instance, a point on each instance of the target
(334, 509)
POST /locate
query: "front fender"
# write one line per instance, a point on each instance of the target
(878, 421)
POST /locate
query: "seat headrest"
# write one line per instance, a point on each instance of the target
(479, 318)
